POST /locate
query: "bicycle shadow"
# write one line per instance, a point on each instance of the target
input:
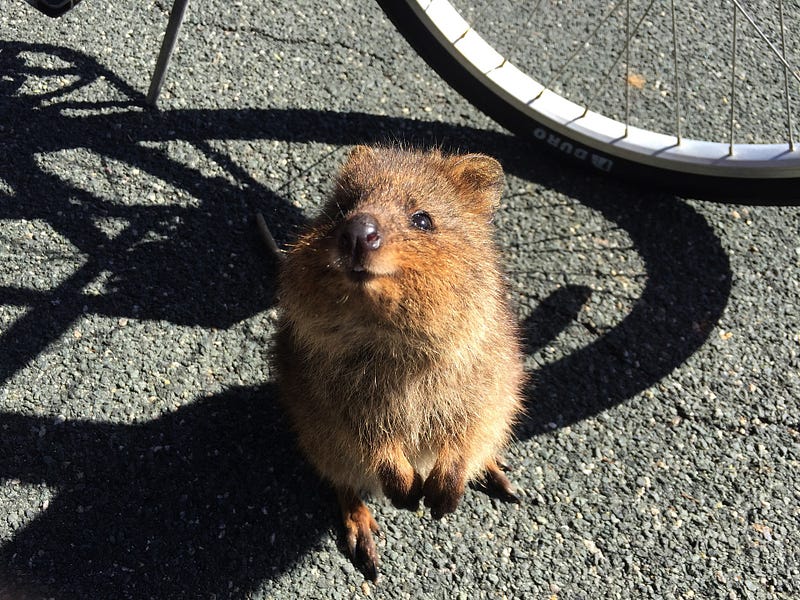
(191, 502)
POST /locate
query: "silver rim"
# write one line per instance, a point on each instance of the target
(577, 130)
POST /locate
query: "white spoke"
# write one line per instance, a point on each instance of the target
(733, 78)
(677, 79)
(627, 66)
(786, 79)
(763, 36)
(580, 47)
(629, 37)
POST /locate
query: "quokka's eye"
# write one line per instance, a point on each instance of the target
(422, 221)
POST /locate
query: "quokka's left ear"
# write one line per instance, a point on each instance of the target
(361, 152)
(480, 179)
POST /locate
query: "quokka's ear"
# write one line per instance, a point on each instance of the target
(481, 180)
(352, 170)
(360, 152)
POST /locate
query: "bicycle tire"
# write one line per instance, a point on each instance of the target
(757, 173)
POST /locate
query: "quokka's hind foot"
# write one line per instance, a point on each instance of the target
(359, 526)
(495, 482)
(501, 464)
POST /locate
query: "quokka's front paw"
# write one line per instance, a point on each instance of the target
(405, 496)
(443, 492)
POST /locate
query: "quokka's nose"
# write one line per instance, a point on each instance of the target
(359, 235)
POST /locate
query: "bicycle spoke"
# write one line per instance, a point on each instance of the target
(578, 50)
(479, 11)
(677, 79)
(786, 79)
(605, 79)
(519, 38)
(764, 37)
(516, 45)
(779, 54)
(627, 65)
(733, 78)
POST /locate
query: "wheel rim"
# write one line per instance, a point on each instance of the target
(588, 135)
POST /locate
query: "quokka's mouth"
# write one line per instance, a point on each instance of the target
(361, 268)
(359, 273)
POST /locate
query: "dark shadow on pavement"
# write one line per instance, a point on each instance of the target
(212, 498)
(687, 287)
(207, 500)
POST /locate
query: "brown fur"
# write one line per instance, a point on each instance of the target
(406, 380)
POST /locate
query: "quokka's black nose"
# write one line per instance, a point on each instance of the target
(359, 235)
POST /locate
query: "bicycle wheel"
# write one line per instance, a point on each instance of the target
(605, 139)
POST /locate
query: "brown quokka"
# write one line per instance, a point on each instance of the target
(398, 359)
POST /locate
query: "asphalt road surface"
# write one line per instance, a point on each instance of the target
(142, 453)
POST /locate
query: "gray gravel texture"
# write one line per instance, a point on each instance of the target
(142, 454)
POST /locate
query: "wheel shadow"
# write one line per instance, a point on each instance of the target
(688, 282)
(212, 498)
